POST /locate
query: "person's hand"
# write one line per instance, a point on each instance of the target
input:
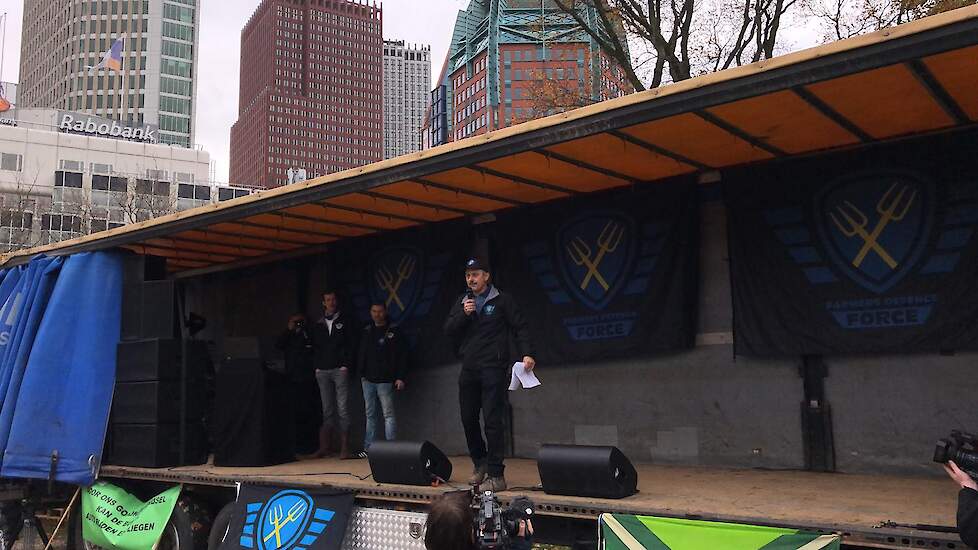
(468, 306)
(399, 385)
(529, 362)
(960, 477)
(526, 529)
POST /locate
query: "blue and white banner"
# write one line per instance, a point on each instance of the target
(870, 251)
(610, 275)
(278, 518)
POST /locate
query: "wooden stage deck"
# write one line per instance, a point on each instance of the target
(854, 505)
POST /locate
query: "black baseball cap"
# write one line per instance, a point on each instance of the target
(473, 264)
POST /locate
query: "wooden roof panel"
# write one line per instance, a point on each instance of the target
(234, 240)
(957, 72)
(692, 137)
(473, 180)
(375, 208)
(274, 234)
(884, 102)
(427, 194)
(348, 217)
(621, 155)
(785, 120)
(312, 226)
(551, 171)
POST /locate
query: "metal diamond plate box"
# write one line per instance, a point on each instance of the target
(377, 529)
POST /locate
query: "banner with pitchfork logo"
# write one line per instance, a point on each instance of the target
(416, 273)
(276, 518)
(862, 252)
(609, 275)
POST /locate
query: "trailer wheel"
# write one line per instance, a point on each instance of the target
(177, 535)
(219, 530)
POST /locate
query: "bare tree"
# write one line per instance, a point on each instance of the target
(19, 213)
(678, 39)
(146, 199)
(841, 19)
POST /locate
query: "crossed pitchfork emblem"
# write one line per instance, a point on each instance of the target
(280, 520)
(891, 208)
(608, 240)
(392, 284)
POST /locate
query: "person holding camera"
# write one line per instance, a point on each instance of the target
(333, 348)
(967, 503)
(382, 363)
(296, 345)
(451, 525)
(480, 325)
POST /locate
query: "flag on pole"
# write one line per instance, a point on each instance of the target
(112, 58)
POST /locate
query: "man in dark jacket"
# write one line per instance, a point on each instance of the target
(967, 504)
(333, 349)
(481, 325)
(382, 364)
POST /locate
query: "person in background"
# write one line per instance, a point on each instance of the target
(333, 348)
(382, 363)
(967, 504)
(296, 344)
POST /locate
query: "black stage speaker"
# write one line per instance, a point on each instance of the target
(156, 401)
(159, 359)
(408, 462)
(149, 310)
(156, 445)
(586, 471)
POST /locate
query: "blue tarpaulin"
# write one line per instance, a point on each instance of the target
(58, 365)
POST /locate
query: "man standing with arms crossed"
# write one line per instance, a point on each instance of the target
(480, 325)
(382, 362)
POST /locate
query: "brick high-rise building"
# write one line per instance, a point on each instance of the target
(407, 82)
(157, 82)
(311, 90)
(514, 60)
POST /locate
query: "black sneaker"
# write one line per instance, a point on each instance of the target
(362, 454)
(478, 474)
(494, 484)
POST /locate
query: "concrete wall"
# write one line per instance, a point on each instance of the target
(703, 406)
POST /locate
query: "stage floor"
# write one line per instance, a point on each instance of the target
(846, 503)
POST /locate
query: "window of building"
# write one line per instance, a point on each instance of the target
(150, 187)
(189, 191)
(68, 179)
(100, 168)
(11, 161)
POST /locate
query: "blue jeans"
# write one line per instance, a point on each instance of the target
(385, 394)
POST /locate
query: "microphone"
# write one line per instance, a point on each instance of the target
(469, 295)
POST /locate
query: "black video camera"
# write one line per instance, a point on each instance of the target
(497, 527)
(962, 448)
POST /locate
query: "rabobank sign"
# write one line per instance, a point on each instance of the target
(78, 123)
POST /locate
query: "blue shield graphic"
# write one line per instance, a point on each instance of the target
(596, 252)
(876, 226)
(283, 520)
(395, 278)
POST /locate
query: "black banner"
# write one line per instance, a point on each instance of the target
(869, 251)
(417, 273)
(610, 275)
(276, 518)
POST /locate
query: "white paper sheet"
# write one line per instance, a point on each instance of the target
(522, 377)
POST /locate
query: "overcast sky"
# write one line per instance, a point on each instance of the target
(415, 21)
(429, 22)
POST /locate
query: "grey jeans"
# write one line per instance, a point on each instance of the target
(333, 389)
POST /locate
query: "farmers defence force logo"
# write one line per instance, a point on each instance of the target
(403, 278)
(599, 256)
(289, 520)
(876, 230)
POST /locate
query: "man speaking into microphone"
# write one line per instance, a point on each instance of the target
(480, 325)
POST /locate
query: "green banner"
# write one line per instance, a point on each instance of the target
(115, 520)
(627, 532)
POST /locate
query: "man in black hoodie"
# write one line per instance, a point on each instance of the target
(382, 363)
(967, 504)
(482, 324)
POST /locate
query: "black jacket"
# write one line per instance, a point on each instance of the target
(483, 339)
(332, 350)
(968, 516)
(297, 348)
(383, 354)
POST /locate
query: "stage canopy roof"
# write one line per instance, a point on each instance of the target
(914, 79)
